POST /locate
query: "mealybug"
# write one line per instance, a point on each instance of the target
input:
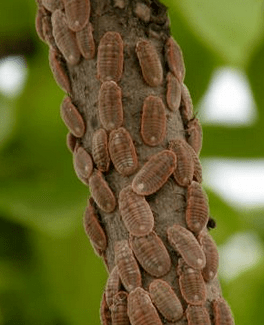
(197, 315)
(77, 13)
(83, 164)
(100, 150)
(52, 5)
(119, 309)
(222, 312)
(71, 142)
(112, 286)
(195, 135)
(105, 313)
(85, 42)
(186, 106)
(41, 13)
(175, 59)
(173, 92)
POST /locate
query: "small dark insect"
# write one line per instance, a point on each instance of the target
(211, 224)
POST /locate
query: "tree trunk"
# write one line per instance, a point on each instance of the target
(136, 143)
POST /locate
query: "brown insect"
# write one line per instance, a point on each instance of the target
(77, 13)
(65, 38)
(112, 286)
(192, 285)
(153, 123)
(85, 42)
(149, 62)
(197, 208)
(195, 135)
(122, 152)
(59, 70)
(110, 105)
(197, 172)
(52, 5)
(197, 315)
(184, 171)
(153, 175)
(110, 57)
(101, 192)
(136, 213)
(119, 309)
(100, 150)
(173, 92)
(127, 265)
(72, 118)
(47, 31)
(165, 299)
(211, 254)
(105, 313)
(185, 243)
(175, 59)
(93, 228)
(83, 164)
(186, 106)
(140, 308)
(222, 312)
(71, 142)
(151, 254)
(41, 13)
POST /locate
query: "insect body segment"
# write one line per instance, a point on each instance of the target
(175, 59)
(100, 150)
(85, 42)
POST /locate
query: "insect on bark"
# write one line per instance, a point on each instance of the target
(110, 105)
(122, 152)
(101, 192)
(110, 57)
(127, 265)
(85, 42)
(72, 118)
(175, 59)
(197, 315)
(173, 92)
(197, 207)
(149, 62)
(186, 106)
(119, 309)
(151, 254)
(83, 164)
(71, 142)
(195, 135)
(136, 213)
(105, 313)
(197, 171)
(65, 38)
(222, 312)
(100, 150)
(41, 13)
(153, 175)
(77, 13)
(112, 286)
(185, 243)
(52, 5)
(165, 299)
(141, 310)
(153, 123)
(47, 31)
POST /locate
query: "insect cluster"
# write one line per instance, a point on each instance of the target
(187, 251)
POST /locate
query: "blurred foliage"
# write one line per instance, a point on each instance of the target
(49, 273)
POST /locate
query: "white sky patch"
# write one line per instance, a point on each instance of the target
(241, 252)
(13, 73)
(238, 182)
(228, 100)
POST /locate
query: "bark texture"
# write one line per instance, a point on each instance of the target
(136, 143)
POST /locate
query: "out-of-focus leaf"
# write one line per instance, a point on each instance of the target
(7, 119)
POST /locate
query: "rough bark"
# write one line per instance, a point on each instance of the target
(147, 244)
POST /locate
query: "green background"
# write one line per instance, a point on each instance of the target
(49, 273)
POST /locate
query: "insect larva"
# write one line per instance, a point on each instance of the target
(185, 243)
(41, 13)
(85, 42)
(165, 299)
(197, 172)
(47, 31)
(222, 312)
(140, 308)
(110, 57)
(192, 285)
(65, 38)
(110, 105)
(77, 13)
(173, 92)
(127, 265)
(197, 315)
(184, 171)
(119, 309)
(186, 106)
(83, 164)
(175, 59)
(211, 254)
(93, 228)
(100, 150)
(154, 173)
(151, 254)
(105, 313)
(101, 192)
(149, 62)
(195, 135)
(71, 142)
(135, 211)
(197, 208)
(112, 286)
(153, 123)
(52, 5)
(122, 152)
(72, 118)
(59, 70)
